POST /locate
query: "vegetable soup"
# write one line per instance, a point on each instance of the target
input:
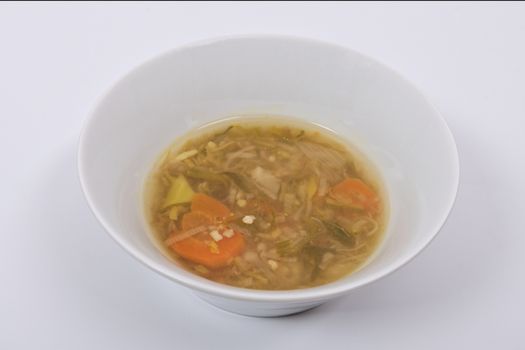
(265, 204)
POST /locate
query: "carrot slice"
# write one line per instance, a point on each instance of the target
(206, 210)
(209, 206)
(355, 193)
(210, 254)
(195, 219)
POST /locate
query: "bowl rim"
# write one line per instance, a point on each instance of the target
(323, 292)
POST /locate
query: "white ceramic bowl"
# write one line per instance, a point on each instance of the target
(359, 98)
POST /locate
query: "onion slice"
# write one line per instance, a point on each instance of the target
(177, 237)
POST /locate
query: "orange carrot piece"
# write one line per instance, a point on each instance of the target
(209, 206)
(356, 193)
(206, 210)
(195, 219)
(200, 252)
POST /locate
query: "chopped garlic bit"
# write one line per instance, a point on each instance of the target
(241, 203)
(228, 233)
(271, 158)
(248, 219)
(273, 264)
(212, 145)
(186, 155)
(215, 235)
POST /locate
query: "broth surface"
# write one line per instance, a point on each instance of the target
(265, 204)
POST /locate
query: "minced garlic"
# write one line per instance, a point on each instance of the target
(248, 219)
(215, 235)
(228, 233)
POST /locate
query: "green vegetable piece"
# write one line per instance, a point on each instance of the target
(288, 247)
(312, 256)
(284, 247)
(222, 133)
(203, 174)
(240, 181)
(340, 233)
(176, 211)
(179, 192)
(314, 226)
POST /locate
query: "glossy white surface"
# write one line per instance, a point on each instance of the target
(66, 284)
(374, 108)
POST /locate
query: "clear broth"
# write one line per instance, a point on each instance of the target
(284, 173)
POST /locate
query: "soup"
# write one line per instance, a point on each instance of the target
(265, 206)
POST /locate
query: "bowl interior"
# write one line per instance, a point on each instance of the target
(363, 101)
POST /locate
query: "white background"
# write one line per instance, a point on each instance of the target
(66, 285)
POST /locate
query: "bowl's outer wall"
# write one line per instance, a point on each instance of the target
(385, 116)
